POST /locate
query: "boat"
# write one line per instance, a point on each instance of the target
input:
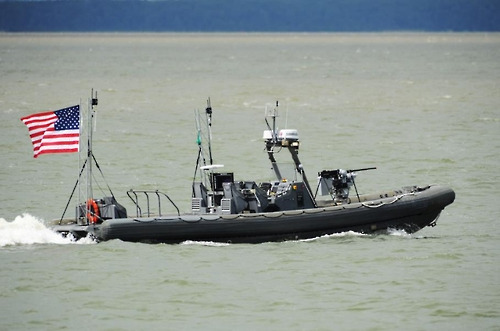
(227, 210)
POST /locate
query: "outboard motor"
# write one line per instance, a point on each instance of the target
(97, 210)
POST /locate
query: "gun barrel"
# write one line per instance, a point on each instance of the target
(362, 169)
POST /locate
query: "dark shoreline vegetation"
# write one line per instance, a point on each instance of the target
(249, 15)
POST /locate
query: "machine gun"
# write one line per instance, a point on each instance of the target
(338, 182)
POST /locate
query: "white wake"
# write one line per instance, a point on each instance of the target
(29, 230)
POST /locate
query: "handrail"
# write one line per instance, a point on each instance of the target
(135, 200)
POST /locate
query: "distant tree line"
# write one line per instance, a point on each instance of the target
(250, 15)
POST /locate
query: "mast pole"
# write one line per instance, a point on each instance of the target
(270, 145)
(208, 111)
(89, 150)
(275, 113)
(91, 103)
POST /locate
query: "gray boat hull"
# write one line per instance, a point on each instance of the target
(409, 212)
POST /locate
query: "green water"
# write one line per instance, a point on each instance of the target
(422, 108)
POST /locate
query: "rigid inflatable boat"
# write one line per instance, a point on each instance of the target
(226, 210)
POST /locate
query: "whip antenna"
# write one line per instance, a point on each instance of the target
(208, 110)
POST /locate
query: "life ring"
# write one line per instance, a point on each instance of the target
(92, 211)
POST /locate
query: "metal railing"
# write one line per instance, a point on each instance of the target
(134, 196)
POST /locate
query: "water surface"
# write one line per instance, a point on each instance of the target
(422, 108)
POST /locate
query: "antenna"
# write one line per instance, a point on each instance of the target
(275, 114)
(286, 117)
(94, 99)
(209, 108)
(208, 111)
(91, 113)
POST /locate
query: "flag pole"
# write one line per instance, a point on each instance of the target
(81, 164)
(81, 167)
(88, 193)
(92, 102)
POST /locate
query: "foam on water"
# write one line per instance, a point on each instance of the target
(205, 243)
(334, 235)
(28, 230)
(337, 235)
(399, 233)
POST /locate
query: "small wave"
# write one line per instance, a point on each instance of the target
(399, 233)
(404, 234)
(29, 230)
(488, 119)
(204, 243)
(346, 234)
(334, 235)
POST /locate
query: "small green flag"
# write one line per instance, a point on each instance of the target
(198, 138)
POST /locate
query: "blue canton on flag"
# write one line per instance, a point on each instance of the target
(68, 118)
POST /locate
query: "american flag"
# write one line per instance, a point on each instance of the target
(54, 131)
